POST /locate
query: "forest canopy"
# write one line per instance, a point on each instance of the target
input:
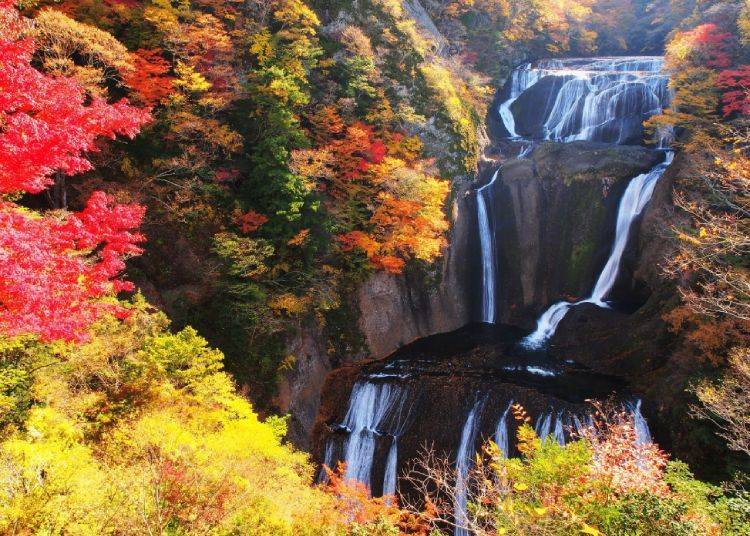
(187, 184)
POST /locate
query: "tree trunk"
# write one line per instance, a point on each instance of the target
(58, 194)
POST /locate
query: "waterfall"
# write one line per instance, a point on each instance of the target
(642, 432)
(634, 200)
(589, 99)
(543, 424)
(375, 409)
(547, 325)
(637, 195)
(520, 80)
(487, 246)
(602, 99)
(463, 464)
(502, 439)
(550, 426)
(558, 432)
(391, 464)
(563, 116)
(578, 426)
(327, 462)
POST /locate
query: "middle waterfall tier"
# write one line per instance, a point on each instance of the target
(636, 197)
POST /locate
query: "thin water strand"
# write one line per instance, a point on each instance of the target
(487, 249)
(502, 435)
(463, 464)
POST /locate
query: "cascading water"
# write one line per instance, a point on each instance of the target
(502, 439)
(636, 197)
(375, 409)
(542, 426)
(558, 432)
(487, 249)
(391, 469)
(520, 80)
(642, 432)
(463, 464)
(604, 99)
(595, 99)
(391, 466)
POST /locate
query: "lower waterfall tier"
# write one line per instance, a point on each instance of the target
(424, 394)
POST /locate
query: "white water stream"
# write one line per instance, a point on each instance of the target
(464, 459)
(376, 410)
(634, 200)
(594, 99)
(502, 436)
(487, 249)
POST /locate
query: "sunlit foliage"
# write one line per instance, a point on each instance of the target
(140, 431)
(606, 482)
(58, 272)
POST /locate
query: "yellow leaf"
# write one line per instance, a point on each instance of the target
(540, 511)
(588, 529)
(703, 233)
(520, 486)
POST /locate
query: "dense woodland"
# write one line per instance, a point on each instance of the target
(184, 182)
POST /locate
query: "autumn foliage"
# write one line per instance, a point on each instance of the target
(47, 124)
(604, 482)
(735, 84)
(382, 178)
(55, 269)
(150, 78)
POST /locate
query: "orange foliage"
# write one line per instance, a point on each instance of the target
(358, 239)
(250, 221)
(150, 79)
(325, 124)
(405, 205)
(299, 239)
(189, 498)
(707, 336)
(389, 263)
(353, 504)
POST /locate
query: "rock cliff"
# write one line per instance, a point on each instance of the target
(554, 215)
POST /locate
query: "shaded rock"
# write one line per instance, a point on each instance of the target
(397, 309)
(299, 390)
(555, 215)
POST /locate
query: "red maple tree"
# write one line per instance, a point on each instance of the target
(736, 83)
(59, 271)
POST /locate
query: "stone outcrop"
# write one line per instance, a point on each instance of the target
(398, 309)
(299, 390)
(555, 218)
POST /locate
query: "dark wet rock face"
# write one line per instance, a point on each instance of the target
(434, 384)
(555, 216)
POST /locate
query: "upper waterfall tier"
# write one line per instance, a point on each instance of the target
(589, 99)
